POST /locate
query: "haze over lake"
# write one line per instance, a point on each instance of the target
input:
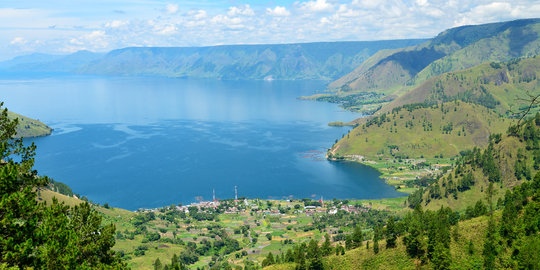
(150, 142)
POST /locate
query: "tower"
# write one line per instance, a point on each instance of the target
(235, 194)
(214, 194)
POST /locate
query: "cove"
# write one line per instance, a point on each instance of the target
(150, 142)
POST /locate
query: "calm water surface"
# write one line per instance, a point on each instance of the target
(150, 142)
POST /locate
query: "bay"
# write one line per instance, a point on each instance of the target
(150, 142)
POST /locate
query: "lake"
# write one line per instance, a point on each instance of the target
(150, 142)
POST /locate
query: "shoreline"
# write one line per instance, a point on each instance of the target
(396, 173)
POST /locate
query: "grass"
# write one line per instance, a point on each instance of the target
(47, 196)
(508, 83)
(393, 204)
(420, 134)
(29, 127)
(505, 157)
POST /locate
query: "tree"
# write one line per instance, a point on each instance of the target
(312, 249)
(357, 237)
(157, 264)
(376, 238)
(441, 258)
(314, 256)
(326, 247)
(33, 235)
(414, 241)
(391, 234)
(300, 258)
(491, 249)
(348, 242)
(269, 260)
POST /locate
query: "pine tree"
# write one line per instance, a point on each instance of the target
(441, 258)
(269, 260)
(300, 260)
(491, 249)
(357, 237)
(326, 248)
(414, 241)
(376, 237)
(391, 234)
(157, 264)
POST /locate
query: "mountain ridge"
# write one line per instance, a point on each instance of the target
(457, 48)
(295, 61)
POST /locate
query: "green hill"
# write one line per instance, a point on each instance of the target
(417, 132)
(509, 160)
(500, 86)
(393, 73)
(29, 127)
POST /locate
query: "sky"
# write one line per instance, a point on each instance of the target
(67, 26)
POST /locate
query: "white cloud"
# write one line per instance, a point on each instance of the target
(168, 29)
(244, 10)
(278, 11)
(492, 9)
(526, 11)
(198, 14)
(496, 11)
(76, 42)
(300, 21)
(18, 41)
(116, 24)
(324, 20)
(422, 3)
(317, 6)
(366, 4)
(171, 8)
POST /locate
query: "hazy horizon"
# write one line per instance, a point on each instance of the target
(57, 27)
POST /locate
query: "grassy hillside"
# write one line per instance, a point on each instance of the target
(382, 72)
(425, 132)
(393, 73)
(499, 86)
(470, 231)
(47, 195)
(29, 127)
(508, 161)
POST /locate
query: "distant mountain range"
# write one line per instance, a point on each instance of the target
(321, 61)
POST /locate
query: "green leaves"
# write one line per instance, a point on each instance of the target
(33, 235)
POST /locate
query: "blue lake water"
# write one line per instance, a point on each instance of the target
(149, 142)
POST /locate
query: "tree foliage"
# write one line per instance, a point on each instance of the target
(35, 235)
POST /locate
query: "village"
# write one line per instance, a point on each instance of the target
(271, 207)
(246, 206)
(252, 228)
